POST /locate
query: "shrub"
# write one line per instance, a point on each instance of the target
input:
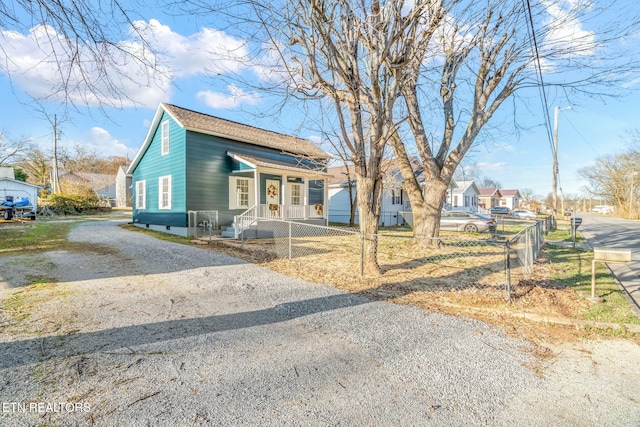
(75, 204)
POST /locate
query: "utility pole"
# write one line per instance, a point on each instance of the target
(554, 197)
(631, 207)
(54, 179)
(555, 158)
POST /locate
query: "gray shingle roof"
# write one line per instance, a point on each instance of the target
(204, 123)
(280, 165)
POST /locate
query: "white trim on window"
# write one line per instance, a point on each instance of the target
(241, 192)
(164, 192)
(295, 192)
(141, 194)
(165, 137)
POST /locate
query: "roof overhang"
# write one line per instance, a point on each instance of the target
(265, 164)
(21, 182)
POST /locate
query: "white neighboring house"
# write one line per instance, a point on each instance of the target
(123, 188)
(395, 207)
(463, 197)
(510, 199)
(394, 198)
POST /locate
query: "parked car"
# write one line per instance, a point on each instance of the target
(500, 210)
(466, 221)
(602, 209)
(523, 214)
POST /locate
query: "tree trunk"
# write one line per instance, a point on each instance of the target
(369, 197)
(427, 226)
(352, 206)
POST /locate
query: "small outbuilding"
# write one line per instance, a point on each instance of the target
(13, 190)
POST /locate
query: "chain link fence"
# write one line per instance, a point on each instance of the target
(522, 250)
(481, 263)
(203, 224)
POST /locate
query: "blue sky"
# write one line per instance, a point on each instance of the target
(524, 160)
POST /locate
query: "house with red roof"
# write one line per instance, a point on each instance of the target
(489, 197)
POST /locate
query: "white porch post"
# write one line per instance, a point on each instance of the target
(326, 201)
(256, 180)
(305, 202)
(283, 191)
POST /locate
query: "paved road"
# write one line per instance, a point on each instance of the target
(617, 233)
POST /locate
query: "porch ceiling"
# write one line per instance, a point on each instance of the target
(263, 162)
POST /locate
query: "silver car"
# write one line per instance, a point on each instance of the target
(523, 214)
(466, 221)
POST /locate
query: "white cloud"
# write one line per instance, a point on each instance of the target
(234, 99)
(105, 144)
(566, 35)
(37, 64)
(207, 51)
(507, 148)
(490, 166)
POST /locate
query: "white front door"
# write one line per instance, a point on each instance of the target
(273, 191)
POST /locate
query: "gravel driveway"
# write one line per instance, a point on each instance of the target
(146, 332)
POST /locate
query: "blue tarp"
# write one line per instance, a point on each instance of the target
(19, 202)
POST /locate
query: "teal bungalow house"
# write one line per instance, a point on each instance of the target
(191, 162)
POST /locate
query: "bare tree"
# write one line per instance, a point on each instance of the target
(10, 148)
(342, 53)
(483, 56)
(487, 182)
(37, 165)
(83, 41)
(531, 199)
(425, 76)
(616, 177)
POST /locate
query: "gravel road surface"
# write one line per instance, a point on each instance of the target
(138, 331)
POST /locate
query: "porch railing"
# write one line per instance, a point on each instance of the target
(246, 219)
(277, 211)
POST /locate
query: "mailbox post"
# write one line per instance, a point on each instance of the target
(606, 255)
(575, 223)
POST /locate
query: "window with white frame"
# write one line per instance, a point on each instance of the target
(165, 137)
(141, 194)
(164, 192)
(296, 194)
(396, 197)
(240, 192)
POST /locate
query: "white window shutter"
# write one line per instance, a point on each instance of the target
(232, 192)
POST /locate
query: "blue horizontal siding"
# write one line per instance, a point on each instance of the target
(154, 165)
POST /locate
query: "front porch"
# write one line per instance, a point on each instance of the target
(272, 189)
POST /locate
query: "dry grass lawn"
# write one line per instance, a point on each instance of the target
(463, 277)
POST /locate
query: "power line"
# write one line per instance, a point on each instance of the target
(538, 66)
(580, 134)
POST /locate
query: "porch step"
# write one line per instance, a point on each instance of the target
(229, 232)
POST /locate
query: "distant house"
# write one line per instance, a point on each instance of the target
(191, 161)
(394, 197)
(123, 188)
(464, 197)
(103, 185)
(489, 198)
(510, 199)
